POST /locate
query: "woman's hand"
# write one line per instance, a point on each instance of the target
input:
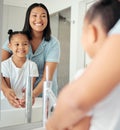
(11, 97)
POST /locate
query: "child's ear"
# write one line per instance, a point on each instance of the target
(92, 36)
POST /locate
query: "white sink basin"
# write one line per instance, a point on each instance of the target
(14, 116)
(41, 128)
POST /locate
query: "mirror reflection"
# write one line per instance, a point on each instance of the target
(44, 50)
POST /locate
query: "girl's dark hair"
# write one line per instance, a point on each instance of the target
(27, 27)
(107, 10)
(12, 33)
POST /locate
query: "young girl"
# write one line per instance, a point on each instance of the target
(18, 68)
(105, 115)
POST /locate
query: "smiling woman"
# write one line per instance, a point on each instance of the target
(38, 21)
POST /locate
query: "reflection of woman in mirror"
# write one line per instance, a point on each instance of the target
(18, 68)
(44, 48)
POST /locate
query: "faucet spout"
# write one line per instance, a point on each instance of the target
(49, 100)
(29, 100)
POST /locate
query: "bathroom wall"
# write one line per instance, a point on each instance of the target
(13, 18)
(60, 25)
(1, 16)
(64, 38)
(51, 4)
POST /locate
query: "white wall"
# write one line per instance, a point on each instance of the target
(13, 18)
(52, 5)
(1, 17)
(77, 54)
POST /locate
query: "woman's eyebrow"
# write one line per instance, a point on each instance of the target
(37, 13)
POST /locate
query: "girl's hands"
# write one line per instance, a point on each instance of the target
(22, 101)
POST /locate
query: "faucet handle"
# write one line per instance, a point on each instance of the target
(52, 107)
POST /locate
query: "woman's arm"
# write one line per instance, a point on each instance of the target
(33, 95)
(9, 93)
(51, 66)
(5, 86)
(5, 55)
(81, 95)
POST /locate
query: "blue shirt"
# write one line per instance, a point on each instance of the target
(48, 51)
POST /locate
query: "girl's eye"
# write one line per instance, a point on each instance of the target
(25, 44)
(34, 15)
(17, 44)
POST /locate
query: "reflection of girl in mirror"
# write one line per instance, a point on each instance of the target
(44, 48)
(96, 91)
(18, 68)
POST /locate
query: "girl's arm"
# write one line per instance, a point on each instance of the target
(81, 95)
(51, 66)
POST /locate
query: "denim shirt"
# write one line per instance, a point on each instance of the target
(47, 51)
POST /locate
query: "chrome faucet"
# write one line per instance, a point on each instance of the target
(49, 99)
(28, 106)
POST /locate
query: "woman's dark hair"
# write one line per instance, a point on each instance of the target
(12, 33)
(27, 27)
(107, 10)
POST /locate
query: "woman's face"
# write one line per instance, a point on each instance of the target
(38, 19)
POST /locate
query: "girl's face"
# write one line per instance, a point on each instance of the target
(38, 19)
(19, 45)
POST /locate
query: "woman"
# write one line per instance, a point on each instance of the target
(44, 49)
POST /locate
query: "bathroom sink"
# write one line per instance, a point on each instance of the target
(39, 128)
(14, 116)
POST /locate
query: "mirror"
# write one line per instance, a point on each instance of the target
(13, 18)
(72, 55)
